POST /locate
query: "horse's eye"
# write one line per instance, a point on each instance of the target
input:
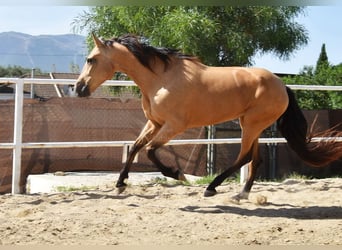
(90, 60)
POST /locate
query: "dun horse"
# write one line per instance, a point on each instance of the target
(179, 92)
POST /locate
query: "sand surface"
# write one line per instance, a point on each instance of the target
(297, 212)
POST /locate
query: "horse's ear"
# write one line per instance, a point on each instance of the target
(97, 41)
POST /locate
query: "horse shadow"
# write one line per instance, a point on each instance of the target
(284, 211)
(54, 198)
(95, 196)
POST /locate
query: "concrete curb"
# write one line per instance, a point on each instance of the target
(51, 182)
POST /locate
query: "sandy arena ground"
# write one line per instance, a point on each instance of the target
(297, 212)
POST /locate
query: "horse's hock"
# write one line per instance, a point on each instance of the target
(93, 119)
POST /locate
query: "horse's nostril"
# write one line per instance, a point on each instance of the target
(79, 86)
(82, 89)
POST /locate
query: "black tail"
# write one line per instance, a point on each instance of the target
(293, 126)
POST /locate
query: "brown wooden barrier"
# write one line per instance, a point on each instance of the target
(76, 119)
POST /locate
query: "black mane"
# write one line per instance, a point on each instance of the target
(146, 53)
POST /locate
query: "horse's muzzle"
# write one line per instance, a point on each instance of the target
(82, 89)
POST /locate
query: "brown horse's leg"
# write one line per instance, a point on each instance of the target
(145, 136)
(249, 138)
(166, 171)
(163, 136)
(211, 189)
(252, 170)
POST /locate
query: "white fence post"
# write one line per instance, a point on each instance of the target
(210, 150)
(125, 153)
(243, 173)
(17, 137)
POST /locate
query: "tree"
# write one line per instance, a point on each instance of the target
(322, 61)
(15, 71)
(322, 74)
(219, 35)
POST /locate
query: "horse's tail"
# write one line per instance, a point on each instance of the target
(293, 126)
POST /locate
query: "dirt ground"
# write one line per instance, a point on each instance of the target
(297, 212)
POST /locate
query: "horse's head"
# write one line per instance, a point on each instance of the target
(97, 69)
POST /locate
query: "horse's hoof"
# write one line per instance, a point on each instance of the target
(235, 199)
(241, 196)
(181, 176)
(209, 193)
(121, 188)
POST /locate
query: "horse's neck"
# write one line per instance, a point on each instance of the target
(143, 77)
(126, 62)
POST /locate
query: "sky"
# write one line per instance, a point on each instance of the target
(322, 22)
(323, 25)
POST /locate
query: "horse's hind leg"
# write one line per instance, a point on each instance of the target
(145, 136)
(211, 189)
(248, 151)
(252, 170)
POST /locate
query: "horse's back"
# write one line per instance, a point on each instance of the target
(270, 98)
(247, 85)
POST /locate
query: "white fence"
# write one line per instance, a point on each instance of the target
(17, 145)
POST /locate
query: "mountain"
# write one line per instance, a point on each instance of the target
(50, 53)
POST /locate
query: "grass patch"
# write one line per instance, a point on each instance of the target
(293, 176)
(74, 189)
(166, 182)
(297, 176)
(206, 180)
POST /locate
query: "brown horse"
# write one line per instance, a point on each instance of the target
(179, 92)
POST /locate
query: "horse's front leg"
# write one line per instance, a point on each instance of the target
(145, 136)
(165, 134)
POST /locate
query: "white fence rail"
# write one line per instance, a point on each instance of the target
(17, 145)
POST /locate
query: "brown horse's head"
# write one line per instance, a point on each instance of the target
(97, 69)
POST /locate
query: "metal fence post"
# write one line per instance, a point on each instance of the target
(243, 173)
(273, 152)
(210, 151)
(17, 137)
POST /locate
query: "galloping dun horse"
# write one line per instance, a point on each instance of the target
(179, 92)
